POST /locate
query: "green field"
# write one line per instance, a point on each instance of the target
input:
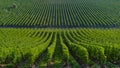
(59, 34)
(60, 13)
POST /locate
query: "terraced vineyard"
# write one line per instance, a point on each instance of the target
(59, 34)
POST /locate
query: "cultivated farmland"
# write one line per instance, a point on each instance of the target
(59, 34)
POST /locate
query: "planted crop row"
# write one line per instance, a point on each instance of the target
(82, 46)
(58, 14)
